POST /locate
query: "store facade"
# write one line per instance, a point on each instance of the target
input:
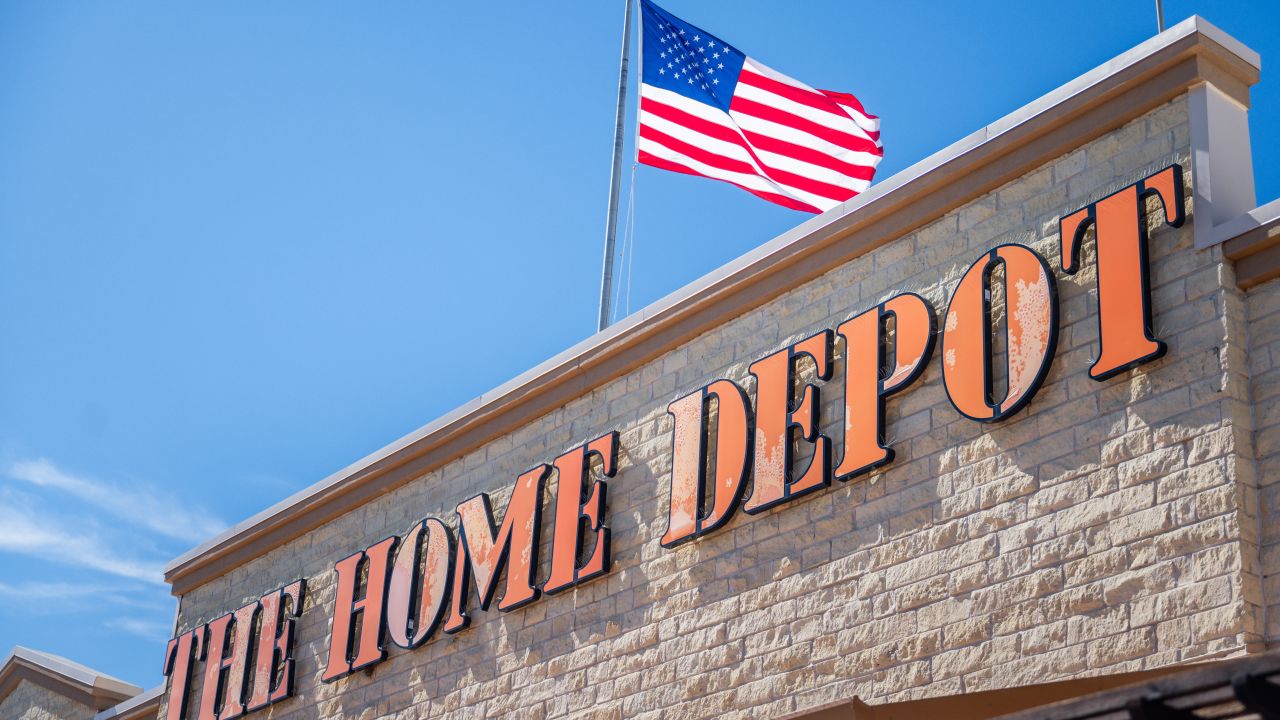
(1000, 432)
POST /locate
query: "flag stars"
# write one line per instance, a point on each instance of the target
(686, 54)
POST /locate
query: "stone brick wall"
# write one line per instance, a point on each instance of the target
(1264, 361)
(29, 701)
(1110, 526)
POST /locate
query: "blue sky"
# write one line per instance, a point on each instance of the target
(244, 244)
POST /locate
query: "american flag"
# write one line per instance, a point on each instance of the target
(707, 109)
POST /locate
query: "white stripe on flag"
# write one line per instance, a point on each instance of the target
(697, 136)
(839, 123)
(721, 147)
(733, 152)
(867, 123)
(754, 182)
(800, 137)
(764, 127)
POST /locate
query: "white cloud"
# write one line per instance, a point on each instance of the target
(152, 630)
(33, 597)
(21, 533)
(142, 507)
(50, 591)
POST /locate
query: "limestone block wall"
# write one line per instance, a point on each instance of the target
(1109, 526)
(30, 701)
(1264, 362)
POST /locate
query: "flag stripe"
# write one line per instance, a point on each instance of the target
(813, 99)
(782, 117)
(816, 106)
(748, 180)
(854, 107)
(655, 161)
(771, 157)
(767, 128)
(708, 109)
(703, 118)
(757, 68)
(733, 157)
(764, 143)
(826, 117)
(707, 141)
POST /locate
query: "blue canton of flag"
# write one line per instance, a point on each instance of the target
(708, 109)
(687, 60)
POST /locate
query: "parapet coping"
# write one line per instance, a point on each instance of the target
(1099, 101)
(1253, 242)
(143, 705)
(63, 676)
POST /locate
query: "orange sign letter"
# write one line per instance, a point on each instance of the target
(689, 460)
(871, 374)
(370, 607)
(1124, 285)
(573, 468)
(1031, 330)
(225, 674)
(776, 423)
(179, 655)
(483, 550)
(422, 570)
(273, 666)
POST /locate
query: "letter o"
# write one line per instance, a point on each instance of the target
(1031, 332)
(422, 572)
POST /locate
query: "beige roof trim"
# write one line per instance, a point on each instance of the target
(60, 675)
(1254, 245)
(1095, 103)
(144, 705)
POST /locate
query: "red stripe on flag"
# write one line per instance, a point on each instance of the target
(809, 155)
(781, 117)
(693, 122)
(790, 92)
(782, 177)
(702, 155)
(655, 161)
(844, 98)
(720, 132)
(826, 100)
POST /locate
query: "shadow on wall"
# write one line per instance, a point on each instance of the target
(981, 546)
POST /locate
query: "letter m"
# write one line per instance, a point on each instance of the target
(484, 548)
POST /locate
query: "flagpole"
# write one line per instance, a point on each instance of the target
(615, 174)
(1160, 15)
